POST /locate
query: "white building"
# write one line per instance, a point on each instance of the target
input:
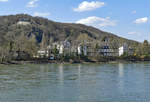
(42, 53)
(123, 49)
(61, 49)
(79, 50)
(23, 21)
(82, 50)
(64, 47)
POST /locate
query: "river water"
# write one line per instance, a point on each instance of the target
(121, 82)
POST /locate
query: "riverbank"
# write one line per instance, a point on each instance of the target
(45, 61)
(81, 60)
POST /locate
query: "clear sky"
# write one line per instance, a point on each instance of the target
(126, 18)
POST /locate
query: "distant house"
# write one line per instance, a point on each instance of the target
(108, 48)
(61, 49)
(64, 47)
(130, 51)
(105, 51)
(79, 50)
(85, 50)
(108, 51)
(82, 49)
(67, 44)
(23, 21)
(123, 49)
(43, 53)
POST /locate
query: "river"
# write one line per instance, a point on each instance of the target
(120, 82)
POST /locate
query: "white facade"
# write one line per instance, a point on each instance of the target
(42, 53)
(123, 49)
(79, 50)
(23, 23)
(82, 48)
(61, 49)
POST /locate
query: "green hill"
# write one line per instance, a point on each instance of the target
(26, 33)
(53, 31)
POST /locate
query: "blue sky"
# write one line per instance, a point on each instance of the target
(125, 18)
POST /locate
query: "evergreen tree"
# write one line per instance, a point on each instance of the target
(145, 48)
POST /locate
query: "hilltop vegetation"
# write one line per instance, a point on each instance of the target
(53, 31)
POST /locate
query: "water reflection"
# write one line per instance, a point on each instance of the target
(121, 70)
(79, 71)
(121, 75)
(61, 73)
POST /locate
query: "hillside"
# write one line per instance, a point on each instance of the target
(47, 31)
